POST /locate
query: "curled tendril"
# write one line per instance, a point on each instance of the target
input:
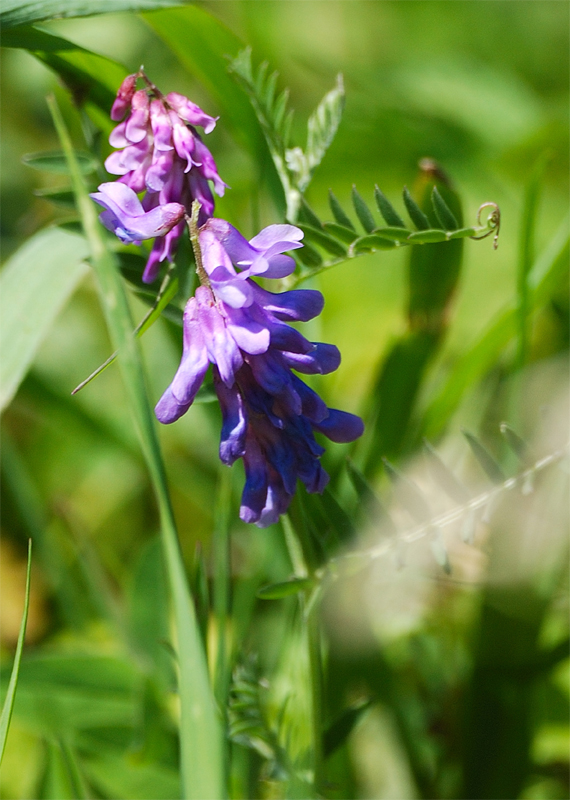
(493, 222)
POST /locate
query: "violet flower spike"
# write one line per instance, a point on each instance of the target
(269, 415)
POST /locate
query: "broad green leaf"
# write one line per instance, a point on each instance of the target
(25, 12)
(35, 284)
(547, 271)
(362, 211)
(442, 211)
(8, 706)
(385, 207)
(275, 591)
(200, 734)
(55, 162)
(88, 76)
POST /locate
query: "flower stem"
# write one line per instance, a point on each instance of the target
(195, 241)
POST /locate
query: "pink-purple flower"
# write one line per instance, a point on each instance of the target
(161, 154)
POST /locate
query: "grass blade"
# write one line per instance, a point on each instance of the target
(11, 693)
(200, 735)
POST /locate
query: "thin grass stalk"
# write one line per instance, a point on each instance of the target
(222, 599)
(8, 706)
(200, 735)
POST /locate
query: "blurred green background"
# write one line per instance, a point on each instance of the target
(482, 87)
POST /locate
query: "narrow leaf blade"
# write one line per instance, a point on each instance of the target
(11, 693)
(416, 214)
(385, 207)
(362, 211)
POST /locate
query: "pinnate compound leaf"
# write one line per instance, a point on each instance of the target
(338, 212)
(385, 207)
(26, 12)
(416, 214)
(322, 127)
(35, 284)
(362, 211)
(442, 211)
(8, 706)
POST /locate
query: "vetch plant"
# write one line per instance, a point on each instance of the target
(396, 606)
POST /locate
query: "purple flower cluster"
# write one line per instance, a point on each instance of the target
(269, 414)
(162, 155)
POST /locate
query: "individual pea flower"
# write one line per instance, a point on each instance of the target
(160, 152)
(269, 414)
(126, 217)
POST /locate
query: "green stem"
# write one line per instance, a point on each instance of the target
(310, 621)
(222, 594)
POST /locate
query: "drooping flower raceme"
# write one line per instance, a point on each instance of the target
(161, 154)
(269, 414)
